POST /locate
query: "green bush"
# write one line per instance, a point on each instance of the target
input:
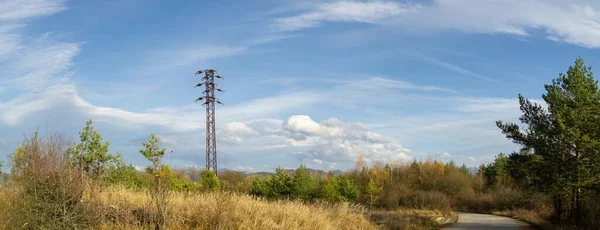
(127, 176)
(304, 185)
(209, 180)
(183, 185)
(339, 189)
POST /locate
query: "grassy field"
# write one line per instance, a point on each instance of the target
(120, 208)
(231, 211)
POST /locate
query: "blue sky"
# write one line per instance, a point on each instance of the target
(313, 82)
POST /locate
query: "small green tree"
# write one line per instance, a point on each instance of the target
(280, 184)
(91, 155)
(339, 189)
(464, 169)
(159, 190)
(153, 153)
(497, 170)
(260, 188)
(209, 180)
(304, 185)
(373, 192)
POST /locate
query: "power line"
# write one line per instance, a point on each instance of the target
(208, 81)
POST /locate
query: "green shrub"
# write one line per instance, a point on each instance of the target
(339, 189)
(304, 185)
(209, 180)
(128, 177)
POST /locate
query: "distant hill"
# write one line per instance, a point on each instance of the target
(291, 171)
(193, 173)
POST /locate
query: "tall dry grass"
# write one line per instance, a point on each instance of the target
(127, 209)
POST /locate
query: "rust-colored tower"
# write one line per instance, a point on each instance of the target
(209, 102)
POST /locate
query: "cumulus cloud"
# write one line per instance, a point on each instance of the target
(333, 140)
(239, 129)
(444, 155)
(459, 159)
(234, 132)
(301, 124)
(573, 22)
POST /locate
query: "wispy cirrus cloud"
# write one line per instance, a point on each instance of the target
(31, 64)
(16, 10)
(169, 58)
(450, 66)
(578, 24)
(371, 12)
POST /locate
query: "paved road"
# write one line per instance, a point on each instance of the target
(483, 221)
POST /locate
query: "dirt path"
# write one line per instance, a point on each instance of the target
(484, 221)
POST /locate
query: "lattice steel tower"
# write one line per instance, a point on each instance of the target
(209, 102)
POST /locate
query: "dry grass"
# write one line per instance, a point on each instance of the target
(6, 195)
(538, 217)
(127, 210)
(411, 218)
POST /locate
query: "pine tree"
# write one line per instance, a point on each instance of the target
(209, 180)
(565, 136)
(91, 155)
(159, 190)
(304, 185)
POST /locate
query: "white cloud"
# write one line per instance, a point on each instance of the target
(342, 11)
(451, 67)
(301, 124)
(333, 140)
(243, 169)
(14, 10)
(239, 129)
(183, 56)
(40, 66)
(573, 22)
(235, 132)
(444, 155)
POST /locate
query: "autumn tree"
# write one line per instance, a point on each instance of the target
(233, 181)
(373, 192)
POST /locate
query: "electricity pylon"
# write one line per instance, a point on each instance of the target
(209, 102)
